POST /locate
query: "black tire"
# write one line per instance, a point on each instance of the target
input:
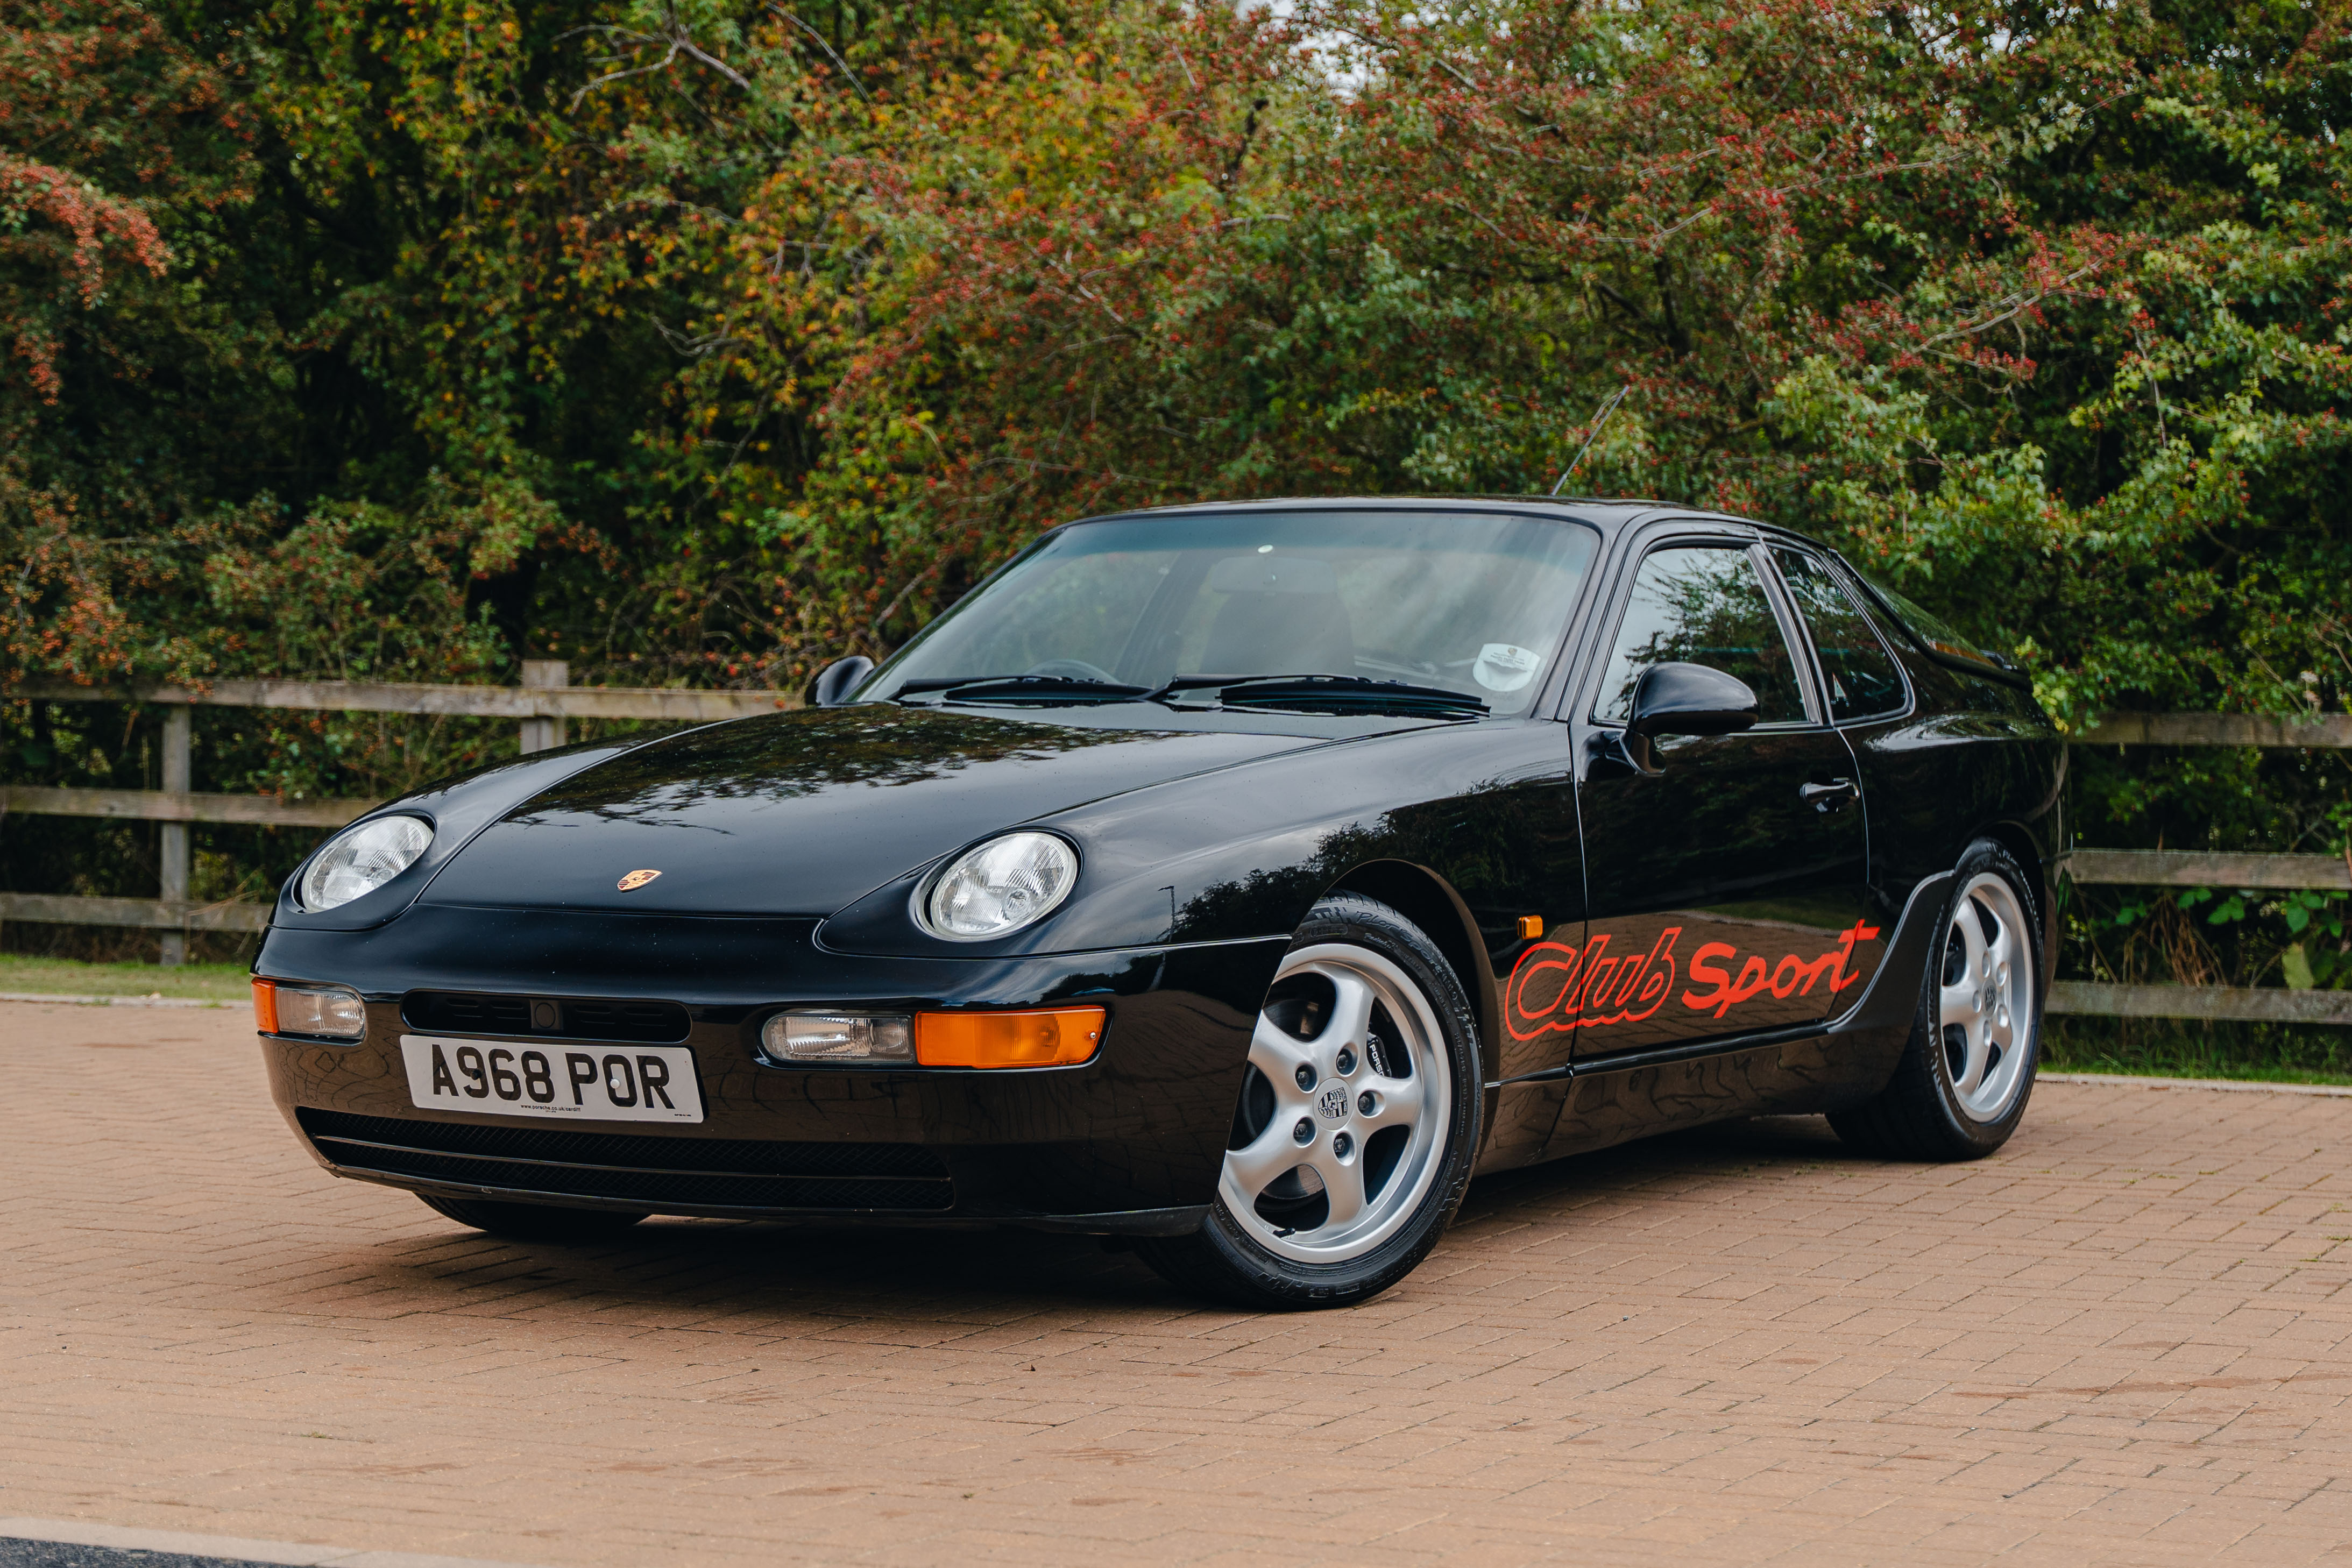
(1920, 1115)
(532, 1221)
(1225, 1261)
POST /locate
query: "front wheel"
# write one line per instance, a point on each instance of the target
(1357, 1123)
(1968, 1071)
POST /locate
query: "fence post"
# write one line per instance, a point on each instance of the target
(178, 723)
(544, 734)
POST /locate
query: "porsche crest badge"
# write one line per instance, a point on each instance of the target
(636, 880)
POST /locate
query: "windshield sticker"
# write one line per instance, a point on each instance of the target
(1556, 989)
(1504, 667)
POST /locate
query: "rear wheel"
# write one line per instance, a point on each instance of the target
(1968, 1072)
(1357, 1123)
(532, 1221)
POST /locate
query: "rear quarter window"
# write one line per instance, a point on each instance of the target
(1860, 676)
(1937, 635)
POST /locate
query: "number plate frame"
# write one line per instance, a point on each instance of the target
(581, 1080)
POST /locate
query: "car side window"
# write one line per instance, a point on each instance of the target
(1858, 672)
(1703, 604)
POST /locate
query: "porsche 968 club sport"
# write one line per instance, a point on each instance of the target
(1237, 880)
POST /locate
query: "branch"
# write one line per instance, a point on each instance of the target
(846, 74)
(675, 35)
(2018, 306)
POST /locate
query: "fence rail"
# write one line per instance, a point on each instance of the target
(2327, 730)
(170, 916)
(2192, 867)
(523, 702)
(158, 806)
(2230, 1004)
(546, 700)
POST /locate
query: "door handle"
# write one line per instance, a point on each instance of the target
(1829, 797)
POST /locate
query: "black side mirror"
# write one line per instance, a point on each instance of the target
(1685, 699)
(837, 680)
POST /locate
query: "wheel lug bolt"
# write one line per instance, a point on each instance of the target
(1306, 1076)
(1346, 1063)
(1367, 1103)
(1343, 1146)
(1303, 1133)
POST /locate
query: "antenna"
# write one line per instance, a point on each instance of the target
(1599, 419)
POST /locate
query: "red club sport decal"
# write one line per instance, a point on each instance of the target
(1552, 985)
(1556, 987)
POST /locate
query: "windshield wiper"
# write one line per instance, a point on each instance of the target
(1024, 689)
(1308, 693)
(1328, 693)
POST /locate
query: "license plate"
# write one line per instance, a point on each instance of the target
(577, 1082)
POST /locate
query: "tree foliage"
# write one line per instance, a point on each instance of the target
(702, 341)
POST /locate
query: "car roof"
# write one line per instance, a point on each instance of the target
(1611, 515)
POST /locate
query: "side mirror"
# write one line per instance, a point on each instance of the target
(837, 680)
(1685, 699)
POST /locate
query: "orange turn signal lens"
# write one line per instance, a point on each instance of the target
(1048, 1037)
(265, 1006)
(1530, 927)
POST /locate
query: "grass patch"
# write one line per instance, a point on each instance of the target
(2191, 1047)
(69, 978)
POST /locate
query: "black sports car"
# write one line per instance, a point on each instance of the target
(1237, 880)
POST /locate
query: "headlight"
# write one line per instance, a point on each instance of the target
(360, 860)
(1001, 886)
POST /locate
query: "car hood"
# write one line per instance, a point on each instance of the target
(799, 813)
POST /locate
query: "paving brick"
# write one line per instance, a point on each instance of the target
(2121, 1340)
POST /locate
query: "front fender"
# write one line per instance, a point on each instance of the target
(1244, 853)
(458, 809)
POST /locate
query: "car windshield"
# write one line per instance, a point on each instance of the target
(1473, 602)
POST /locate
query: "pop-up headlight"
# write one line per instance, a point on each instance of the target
(358, 860)
(996, 888)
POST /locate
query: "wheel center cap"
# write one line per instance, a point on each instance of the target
(1331, 1105)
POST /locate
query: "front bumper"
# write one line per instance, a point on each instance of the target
(1131, 1142)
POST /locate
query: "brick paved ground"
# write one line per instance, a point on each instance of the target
(2120, 1341)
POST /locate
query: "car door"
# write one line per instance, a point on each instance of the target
(1726, 892)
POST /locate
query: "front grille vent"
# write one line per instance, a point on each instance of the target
(553, 1017)
(654, 1170)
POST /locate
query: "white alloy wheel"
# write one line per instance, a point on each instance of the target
(1985, 1002)
(1362, 1099)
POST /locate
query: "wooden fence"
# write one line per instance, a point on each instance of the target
(2190, 868)
(546, 699)
(542, 704)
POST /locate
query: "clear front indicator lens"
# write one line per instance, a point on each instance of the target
(360, 860)
(839, 1037)
(1001, 886)
(322, 1012)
